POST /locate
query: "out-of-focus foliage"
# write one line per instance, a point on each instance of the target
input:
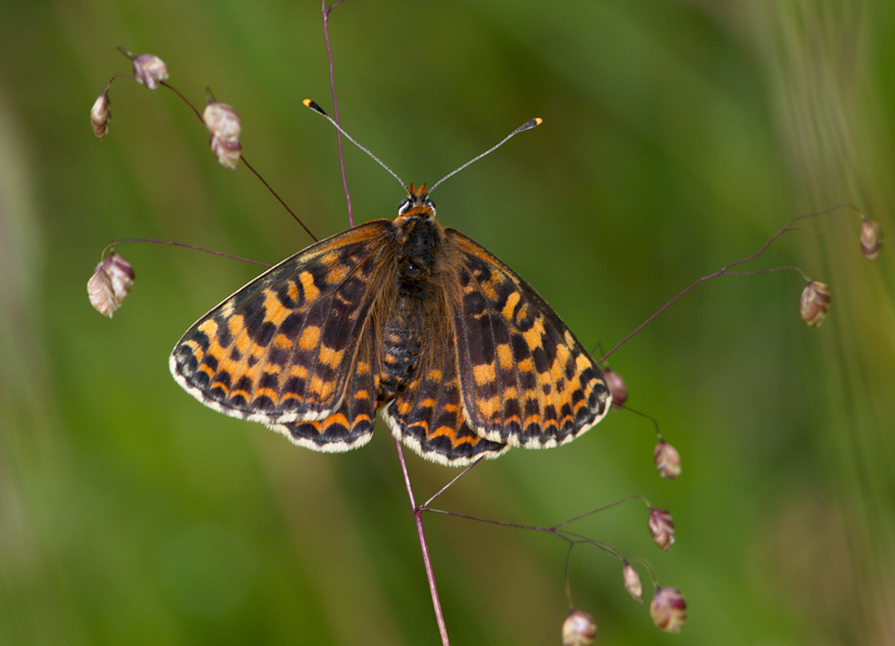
(678, 136)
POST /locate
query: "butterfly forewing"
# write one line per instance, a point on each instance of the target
(284, 348)
(525, 379)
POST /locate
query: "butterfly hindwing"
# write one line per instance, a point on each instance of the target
(428, 414)
(351, 425)
(284, 347)
(525, 379)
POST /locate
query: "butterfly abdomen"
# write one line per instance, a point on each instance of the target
(400, 353)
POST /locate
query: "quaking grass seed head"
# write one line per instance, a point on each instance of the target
(871, 239)
(668, 609)
(668, 460)
(632, 582)
(100, 116)
(661, 528)
(814, 303)
(579, 629)
(110, 283)
(149, 70)
(617, 387)
(225, 126)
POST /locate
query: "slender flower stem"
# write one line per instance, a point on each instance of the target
(182, 244)
(244, 161)
(424, 546)
(568, 585)
(724, 270)
(279, 199)
(417, 511)
(332, 84)
(572, 538)
(555, 529)
(450, 484)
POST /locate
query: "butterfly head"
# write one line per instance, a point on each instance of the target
(416, 205)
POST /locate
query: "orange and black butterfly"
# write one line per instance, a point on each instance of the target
(461, 355)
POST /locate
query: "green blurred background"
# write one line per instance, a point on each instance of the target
(678, 137)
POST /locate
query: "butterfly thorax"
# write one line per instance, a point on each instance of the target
(419, 240)
(410, 321)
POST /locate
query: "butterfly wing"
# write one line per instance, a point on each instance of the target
(525, 380)
(284, 348)
(427, 415)
(351, 425)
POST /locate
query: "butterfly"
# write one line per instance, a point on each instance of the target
(461, 356)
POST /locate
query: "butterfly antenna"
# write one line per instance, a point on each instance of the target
(528, 125)
(316, 108)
